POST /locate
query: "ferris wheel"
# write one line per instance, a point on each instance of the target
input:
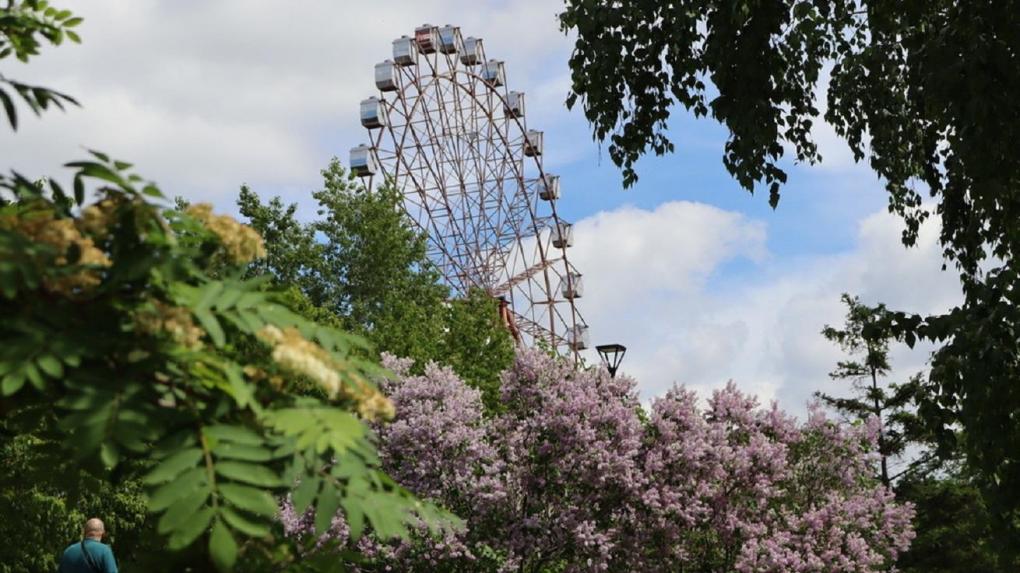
(447, 131)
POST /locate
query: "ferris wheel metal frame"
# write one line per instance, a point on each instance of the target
(446, 130)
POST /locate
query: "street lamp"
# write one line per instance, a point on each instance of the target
(612, 356)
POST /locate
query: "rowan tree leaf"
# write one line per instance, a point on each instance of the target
(190, 529)
(244, 524)
(179, 512)
(253, 474)
(222, 547)
(249, 499)
(173, 466)
(191, 482)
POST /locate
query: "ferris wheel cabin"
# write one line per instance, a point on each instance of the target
(572, 287)
(427, 38)
(373, 113)
(494, 72)
(514, 104)
(549, 189)
(386, 76)
(577, 337)
(533, 143)
(450, 41)
(563, 235)
(472, 53)
(363, 161)
(405, 51)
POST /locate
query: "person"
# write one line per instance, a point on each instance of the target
(89, 555)
(507, 317)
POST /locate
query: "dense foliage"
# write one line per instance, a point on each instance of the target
(46, 499)
(952, 524)
(362, 261)
(569, 478)
(109, 317)
(134, 347)
(925, 91)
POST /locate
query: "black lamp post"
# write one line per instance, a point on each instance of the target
(612, 355)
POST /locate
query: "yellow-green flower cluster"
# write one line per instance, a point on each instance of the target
(294, 352)
(97, 218)
(241, 242)
(41, 227)
(173, 320)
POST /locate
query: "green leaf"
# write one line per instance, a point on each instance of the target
(211, 325)
(172, 466)
(79, 189)
(242, 452)
(249, 473)
(355, 515)
(179, 512)
(34, 376)
(13, 382)
(209, 292)
(305, 492)
(12, 114)
(249, 498)
(98, 171)
(51, 366)
(236, 434)
(192, 528)
(222, 547)
(109, 455)
(72, 22)
(228, 298)
(325, 510)
(243, 524)
(186, 484)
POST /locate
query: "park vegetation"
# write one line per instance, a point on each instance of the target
(229, 394)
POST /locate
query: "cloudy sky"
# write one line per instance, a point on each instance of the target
(703, 282)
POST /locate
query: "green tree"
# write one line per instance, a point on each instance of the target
(924, 90)
(363, 261)
(952, 526)
(293, 256)
(46, 500)
(383, 281)
(132, 347)
(952, 522)
(866, 369)
(477, 345)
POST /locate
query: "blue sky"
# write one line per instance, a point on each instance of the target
(701, 280)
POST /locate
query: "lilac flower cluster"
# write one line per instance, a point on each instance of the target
(573, 475)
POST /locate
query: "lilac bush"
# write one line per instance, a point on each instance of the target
(573, 475)
(572, 443)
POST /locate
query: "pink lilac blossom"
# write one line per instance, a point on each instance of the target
(573, 476)
(572, 440)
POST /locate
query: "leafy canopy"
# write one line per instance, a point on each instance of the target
(362, 261)
(133, 346)
(924, 90)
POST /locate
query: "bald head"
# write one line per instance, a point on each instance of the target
(94, 529)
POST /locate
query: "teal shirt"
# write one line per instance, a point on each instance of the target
(73, 560)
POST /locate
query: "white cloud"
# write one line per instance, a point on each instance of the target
(651, 288)
(203, 96)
